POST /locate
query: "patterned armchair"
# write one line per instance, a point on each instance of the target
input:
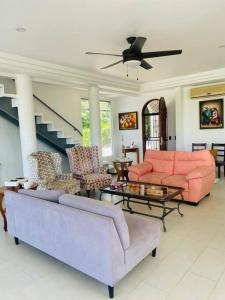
(47, 173)
(84, 163)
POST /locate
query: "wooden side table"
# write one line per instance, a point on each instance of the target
(135, 149)
(2, 210)
(122, 169)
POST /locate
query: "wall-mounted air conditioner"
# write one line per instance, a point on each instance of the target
(207, 91)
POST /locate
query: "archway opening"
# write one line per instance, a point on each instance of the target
(154, 125)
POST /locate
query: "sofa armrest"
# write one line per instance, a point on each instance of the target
(141, 169)
(199, 172)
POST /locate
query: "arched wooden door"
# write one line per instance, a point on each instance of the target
(154, 125)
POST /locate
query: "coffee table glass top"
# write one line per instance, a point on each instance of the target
(143, 190)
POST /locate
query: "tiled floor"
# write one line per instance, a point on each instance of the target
(190, 264)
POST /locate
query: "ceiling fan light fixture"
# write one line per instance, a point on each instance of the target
(134, 57)
(134, 63)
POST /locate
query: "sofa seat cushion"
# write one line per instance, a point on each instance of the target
(69, 186)
(45, 195)
(101, 208)
(176, 180)
(144, 237)
(153, 177)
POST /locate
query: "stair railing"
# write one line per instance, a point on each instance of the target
(46, 105)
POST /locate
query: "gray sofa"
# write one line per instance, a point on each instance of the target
(94, 237)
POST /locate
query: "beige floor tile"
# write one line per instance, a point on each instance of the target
(218, 242)
(218, 292)
(210, 264)
(145, 291)
(13, 295)
(169, 272)
(192, 287)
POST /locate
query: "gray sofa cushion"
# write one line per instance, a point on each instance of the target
(52, 195)
(144, 237)
(101, 208)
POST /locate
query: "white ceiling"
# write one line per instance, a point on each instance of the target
(62, 31)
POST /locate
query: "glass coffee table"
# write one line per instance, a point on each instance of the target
(150, 195)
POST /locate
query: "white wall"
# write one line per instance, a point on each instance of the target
(183, 122)
(65, 101)
(192, 132)
(10, 152)
(126, 104)
(9, 85)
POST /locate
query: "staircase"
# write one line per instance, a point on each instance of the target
(45, 129)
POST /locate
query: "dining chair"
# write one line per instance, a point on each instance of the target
(199, 146)
(220, 157)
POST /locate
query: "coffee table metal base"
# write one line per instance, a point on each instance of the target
(165, 209)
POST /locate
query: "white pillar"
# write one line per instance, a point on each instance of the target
(27, 127)
(95, 124)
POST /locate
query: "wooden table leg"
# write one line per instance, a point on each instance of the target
(138, 158)
(3, 212)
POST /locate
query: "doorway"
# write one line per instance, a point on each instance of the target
(154, 125)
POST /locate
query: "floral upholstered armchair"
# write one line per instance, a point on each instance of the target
(47, 173)
(84, 163)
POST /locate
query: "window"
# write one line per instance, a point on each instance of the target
(85, 115)
(106, 125)
(106, 128)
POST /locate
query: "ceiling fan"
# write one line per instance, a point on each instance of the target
(134, 56)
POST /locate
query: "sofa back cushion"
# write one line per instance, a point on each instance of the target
(162, 161)
(101, 208)
(187, 161)
(52, 195)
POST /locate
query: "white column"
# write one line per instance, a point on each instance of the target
(27, 128)
(95, 125)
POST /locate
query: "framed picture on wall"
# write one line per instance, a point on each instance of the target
(211, 114)
(128, 120)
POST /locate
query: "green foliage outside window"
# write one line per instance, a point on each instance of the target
(85, 115)
(106, 129)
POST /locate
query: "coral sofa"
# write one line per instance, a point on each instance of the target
(193, 171)
(94, 237)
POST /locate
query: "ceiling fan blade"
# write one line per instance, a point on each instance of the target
(160, 53)
(145, 65)
(116, 63)
(109, 54)
(138, 44)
